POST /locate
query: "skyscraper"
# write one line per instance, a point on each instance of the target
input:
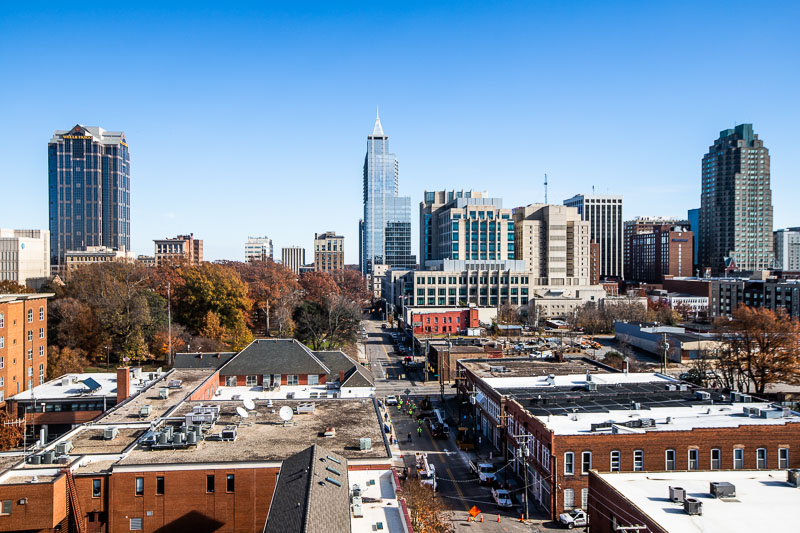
(293, 257)
(736, 203)
(604, 213)
(385, 233)
(787, 249)
(90, 188)
(644, 225)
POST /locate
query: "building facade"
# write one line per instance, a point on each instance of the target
(787, 249)
(181, 248)
(293, 258)
(729, 293)
(328, 252)
(25, 256)
(694, 226)
(666, 250)
(604, 214)
(736, 203)
(553, 241)
(23, 342)
(385, 230)
(75, 259)
(258, 249)
(89, 186)
(644, 225)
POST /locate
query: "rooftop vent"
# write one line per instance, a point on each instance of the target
(229, 433)
(163, 393)
(551, 379)
(693, 506)
(498, 369)
(793, 477)
(591, 385)
(365, 443)
(677, 494)
(702, 395)
(722, 489)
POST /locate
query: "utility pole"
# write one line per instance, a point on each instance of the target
(523, 454)
(169, 325)
(666, 349)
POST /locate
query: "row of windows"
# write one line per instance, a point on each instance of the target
(138, 487)
(670, 460)
(30, 317)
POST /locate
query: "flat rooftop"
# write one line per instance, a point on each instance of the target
(544, 383)
(91, 441)
(57, 389)
(379, 501)
(759, 493)
(129, 412)
(7, 461)
(527, 367)
(263, 437)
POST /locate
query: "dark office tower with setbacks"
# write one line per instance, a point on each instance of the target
(90, 191)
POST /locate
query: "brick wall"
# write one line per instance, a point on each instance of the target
(46, 505)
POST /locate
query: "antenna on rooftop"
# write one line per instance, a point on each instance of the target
(592, 190)
(545, 188)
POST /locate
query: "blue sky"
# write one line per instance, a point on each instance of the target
(252, 120)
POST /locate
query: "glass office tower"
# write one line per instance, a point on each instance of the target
(90, 189)
(385, 232)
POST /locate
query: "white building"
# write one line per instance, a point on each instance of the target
(258, 249)
(25, 256)
(787, 249)
(604, 214)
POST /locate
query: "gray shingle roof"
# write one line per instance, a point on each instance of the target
(275, 356)
(355, 375)
(202, 360)
(305, 500)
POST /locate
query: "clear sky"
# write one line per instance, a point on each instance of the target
(252, 120)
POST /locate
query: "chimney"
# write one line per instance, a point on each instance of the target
(341, 376)
(123, 384)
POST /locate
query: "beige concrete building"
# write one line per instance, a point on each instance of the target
(184, 247)
(554, 242)
(258, 249)
(293, 257)
(146, 260)
(25, 256)
(328, 251)
(74, 259)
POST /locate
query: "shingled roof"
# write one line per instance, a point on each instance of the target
(202, 360)
(275, 356)
(312, 494)
(355, 375)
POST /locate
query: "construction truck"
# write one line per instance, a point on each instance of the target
(426, 472)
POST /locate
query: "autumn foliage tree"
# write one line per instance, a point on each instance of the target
(426, 511)
(65, 360)
(12, 287)
(273, 289)
(10, 432)
(318, 286)
(212, 288)
(353, 286)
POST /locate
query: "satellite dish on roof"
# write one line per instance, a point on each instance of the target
(249, 404)
(241, 412)
(286, 413)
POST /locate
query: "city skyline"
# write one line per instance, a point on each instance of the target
(506, 107)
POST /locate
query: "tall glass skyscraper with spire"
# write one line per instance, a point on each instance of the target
(385, 230)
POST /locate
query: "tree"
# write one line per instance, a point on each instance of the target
(240, 335)
(212, 327)
(12, 287)
(72, 324)
(10, 432)
(660, 311)
(273, 288)
(353, 286)
(318, 286)
(62, 361)
(211, 287)
(425, 510)
(327, 324)
(760, 348)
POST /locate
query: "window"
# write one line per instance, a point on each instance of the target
(291, 379)
(136, 524)
(670, 460)
(586, 462)
(585, 498)
(41, 351)
(569, 463)
(313, 379)
(2, 320)
(716, 459)
(30, 353)
(6, 507)
(139, 487)
(30, 335)
(615, 455)
(761, 458)
(638, 460)
(694, 459)
(41, 333)
(41, 313)
(251, 381)
(230, 381)
(160, 485)
(2, 341)
(210, 483)
(230, 482)
(569, 499)
(30, 315)
(96, 485)
(738, 458)
(783, 457)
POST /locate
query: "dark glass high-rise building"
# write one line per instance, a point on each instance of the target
(385, 231)
(736, 204)
(90, 190)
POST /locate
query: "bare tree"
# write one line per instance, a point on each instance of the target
(425, 510)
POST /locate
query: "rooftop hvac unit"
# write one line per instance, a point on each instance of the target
(677, 494)
(358, 511)
(48, 457)
(163, 393)
(305, 407)
(63, 448)
(35, 459)
(145, 410)
(792, 477)
(229, 433)
(734, 397)
(110, 433)
(745, 398)
(648, 422)
(787, 412)
(163, 437)
(702, 395)
(356, 491)
(772, 413)
(178, 438)
(137, 372)
(722, 489)
(365, 443)
(591, 386)
(65, 381)
(672, 387)
(684, 387)
(693, 506)
(191, 437)
(174, 384)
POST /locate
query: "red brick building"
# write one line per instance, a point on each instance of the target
(23, 342)
(438, 321)
(665, 251)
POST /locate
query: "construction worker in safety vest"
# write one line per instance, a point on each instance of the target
(419, 431)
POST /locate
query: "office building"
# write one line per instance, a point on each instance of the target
(258, 249)
(664, 251)
(643, 225)
(464, 225)
(146, 260)
(23, 342)
(75, 259)
(594, 263)
(770, 293)
(694, 226)
(328, 252)
(385, 230)
(604, 214)
(25, 256)
(90, 191)
(183, 248)
(787, 249)
(736, 204)
(293, 258)
(553, 241)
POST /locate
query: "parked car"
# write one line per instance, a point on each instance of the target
(391, 400)
(502, 498)
(574, 518)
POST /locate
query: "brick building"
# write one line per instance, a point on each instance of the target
(646, 225)
(567, 425)
(667, 250)
(23, 342)
(181, 248)
(445, 320)
(328, 252)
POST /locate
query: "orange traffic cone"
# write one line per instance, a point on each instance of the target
(522, 518)
(498, 517)
(481, 518)
(469, 518)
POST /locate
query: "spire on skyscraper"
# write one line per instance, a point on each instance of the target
(378, 130)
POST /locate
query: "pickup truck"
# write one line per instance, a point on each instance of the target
(391, 400)
(574, 518)
(484, 471)
(502, 498)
